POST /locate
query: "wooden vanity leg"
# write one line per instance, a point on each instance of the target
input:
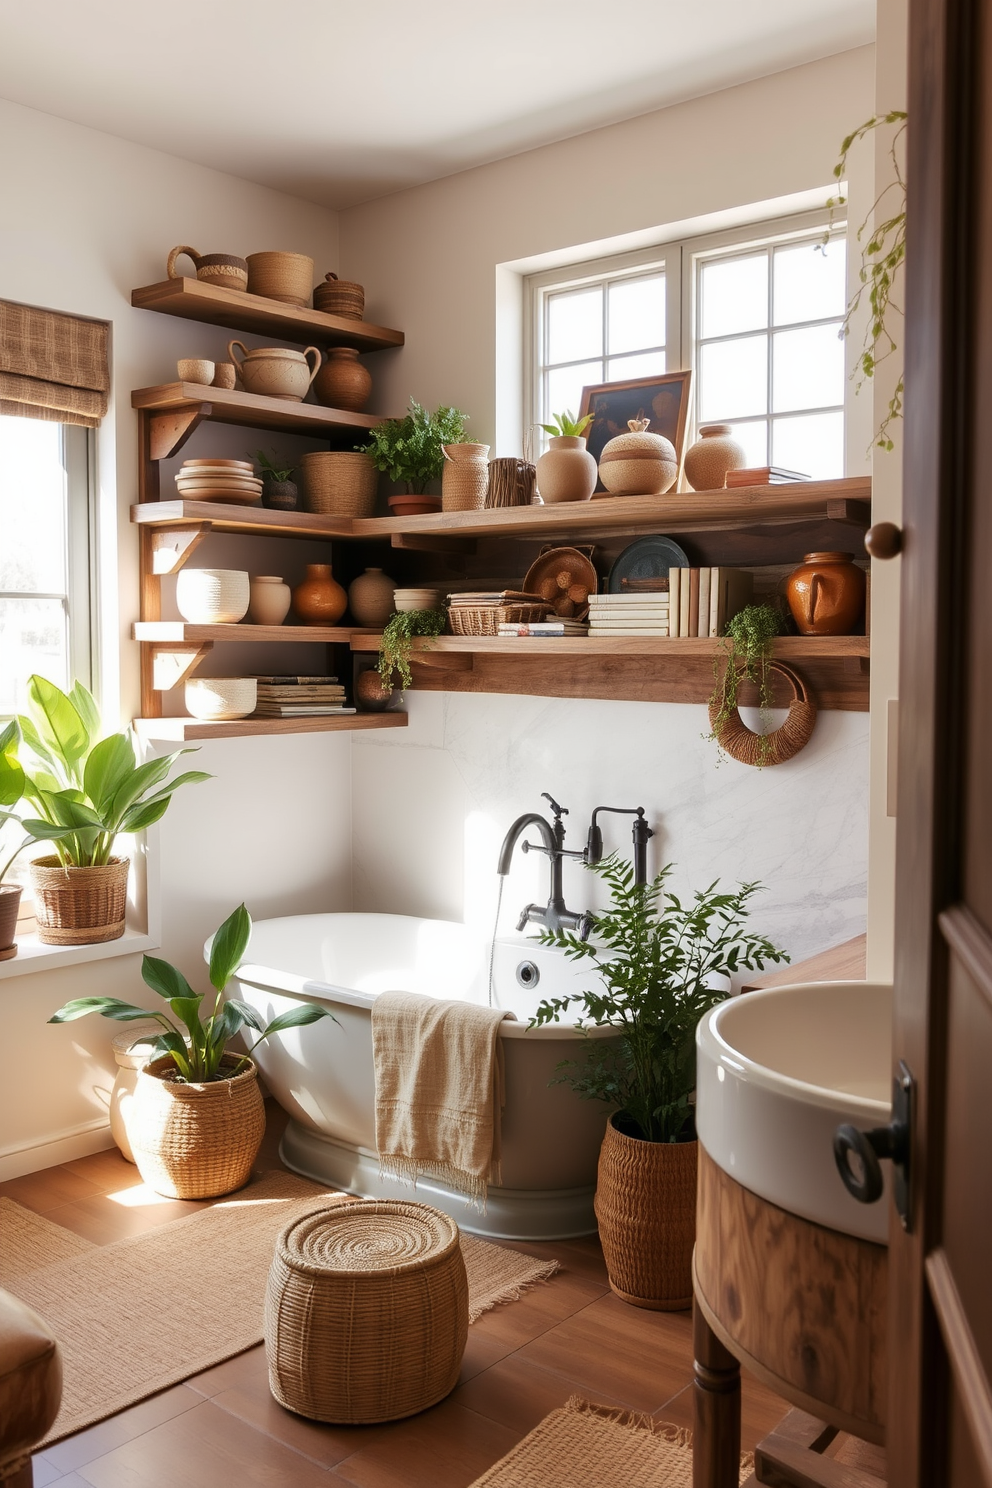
(716, 1437)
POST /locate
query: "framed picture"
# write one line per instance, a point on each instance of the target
(664, 399)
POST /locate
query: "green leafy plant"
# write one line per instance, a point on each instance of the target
(198, 1046)
(567, 425)
(657, 959)
(271, 471)
(12, 782)
(747, 650)
(409, 449)
(90, 784)
(883, 255)
(398, 635)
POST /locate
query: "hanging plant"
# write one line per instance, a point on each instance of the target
(747, 652)
(398, 635)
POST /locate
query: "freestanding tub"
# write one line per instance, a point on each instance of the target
(323, 1076)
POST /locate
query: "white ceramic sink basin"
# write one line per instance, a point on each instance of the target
(777, 1072)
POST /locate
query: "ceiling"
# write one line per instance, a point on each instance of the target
(339, 101)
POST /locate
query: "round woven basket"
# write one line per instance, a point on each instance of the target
(340, 483)
(196, 1141)
(79, 906)
(646, 1210)
(340, 297)
(281, 276)
(366, 1312)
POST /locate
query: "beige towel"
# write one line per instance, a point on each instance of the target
(438, 1090)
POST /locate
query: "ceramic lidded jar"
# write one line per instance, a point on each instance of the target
(826, 594)
(566, 471)
(370, 597)
(342, 381)
(320, 599)
(638, 463)
(712, 456)
(270, 600)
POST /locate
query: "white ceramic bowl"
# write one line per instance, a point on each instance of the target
(215, 698)
(417, 599)
(212, 596)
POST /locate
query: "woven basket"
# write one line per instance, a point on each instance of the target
(79, 906)
(646, 1209)
(366, 1312)
(339, 484)
(281, 276)
(483, 620)
(339, 297)
(196, 1141)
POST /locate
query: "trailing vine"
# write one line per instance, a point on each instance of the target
(396, 645)
(747, 650)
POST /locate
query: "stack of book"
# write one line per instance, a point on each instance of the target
(544, 628)
(702, 600)
(630, 614)
(763, 475)
(300, 697)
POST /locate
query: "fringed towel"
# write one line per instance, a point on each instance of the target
(438, 1090)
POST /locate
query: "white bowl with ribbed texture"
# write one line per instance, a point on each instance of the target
(212, 596)
(217, 698)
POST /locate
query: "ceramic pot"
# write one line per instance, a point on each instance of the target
(342, 381)
(275, 371)
(219, 699)
(339, 297)
(566, 471)
(646, 1211)
(280, 495)
(281, 276)
(195, 369)
(212, 596)
(196, 1141)
(79, 906)
(225, 375)
(371, 693)
(826, 594)
(712, 456)
(223, 270)
(270, 600)
(638, 463)
(465, 480)
(319, 600)
(370, 597)
(132, 1050)
(10, 903)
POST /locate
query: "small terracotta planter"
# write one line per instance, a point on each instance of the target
(79, 906)
(646, 1210)
(196, 1141)
(566, 471)
(10, 903)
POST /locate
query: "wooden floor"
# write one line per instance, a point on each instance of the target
(222, 1427)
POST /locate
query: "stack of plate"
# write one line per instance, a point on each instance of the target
(219, 480)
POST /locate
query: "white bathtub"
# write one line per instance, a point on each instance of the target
(322, 1074)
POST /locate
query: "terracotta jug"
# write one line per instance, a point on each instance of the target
(342, 381)
(826, 594)
(319, 600)
(466, 477)
(566, 471)
(712, 456)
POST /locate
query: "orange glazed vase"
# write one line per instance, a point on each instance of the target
(319, 600)
(826, 594)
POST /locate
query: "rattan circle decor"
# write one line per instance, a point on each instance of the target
(749, 748)
(366, 1312)
(196, 1141)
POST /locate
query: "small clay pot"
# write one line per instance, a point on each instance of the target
(370, 597)
(826, 594)
(566, 471)
(342, 381)
(712, 456)
(195, 369)
(280, 495)
(371, 693)
(270, 600)
(10, 901)
(225, 375)
(320, 599)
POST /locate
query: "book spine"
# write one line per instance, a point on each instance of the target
(704, 602)
(685, 593)
(674, 600)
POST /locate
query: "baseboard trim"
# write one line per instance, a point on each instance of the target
(59, 1147)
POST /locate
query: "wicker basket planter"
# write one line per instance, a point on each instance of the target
(79, 906)
(196, 1141)
(339, 483)
(646, 1211)
(366, 1312)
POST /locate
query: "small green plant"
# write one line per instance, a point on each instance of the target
(883, 255)
(396, 645)
(410, 449)
(271, 471)
(12, 781)
(747, 650)
(567, 425)
(198, 1052)
(657, 959)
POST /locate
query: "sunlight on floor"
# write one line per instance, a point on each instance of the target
(138, 1196)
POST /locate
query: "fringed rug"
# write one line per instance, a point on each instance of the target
(139, 1315)
(590, 1446)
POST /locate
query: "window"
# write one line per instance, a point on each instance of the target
(44, 557)
(759, 320)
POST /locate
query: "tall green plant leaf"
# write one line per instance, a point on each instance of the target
(11, 772)
(59, 725)
(228, 947)
(298, 1017)
(86, 706)
(164, 979)
(108, 765)
(108, 1007)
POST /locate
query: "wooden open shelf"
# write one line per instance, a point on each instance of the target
(192, 300)
(179, 729)
(163, 631)
(219, 516)
(786, 648)
(226, 406)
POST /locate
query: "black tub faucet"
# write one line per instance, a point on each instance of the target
(641, 833)
(553, 916)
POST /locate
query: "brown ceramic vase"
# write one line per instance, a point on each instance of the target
(826, 594)
(320, 599)
(371, 693)
(712, 456)
(342, 381)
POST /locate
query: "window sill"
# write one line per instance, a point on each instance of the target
(33, 956)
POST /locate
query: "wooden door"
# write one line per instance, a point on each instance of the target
(940, 1301)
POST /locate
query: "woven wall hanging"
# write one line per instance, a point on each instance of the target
(749, 748)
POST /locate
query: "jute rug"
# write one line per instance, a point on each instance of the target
(590, 1446)
(137, 1316)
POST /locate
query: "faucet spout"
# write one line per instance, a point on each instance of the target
(529, 819)
(553, 916)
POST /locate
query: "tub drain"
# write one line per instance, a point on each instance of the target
(528, 974)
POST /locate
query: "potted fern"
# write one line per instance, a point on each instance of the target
(411, 449)
(661, 965)
(197, 1118)
(566, 471)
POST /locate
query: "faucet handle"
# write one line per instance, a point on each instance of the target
(558, 810)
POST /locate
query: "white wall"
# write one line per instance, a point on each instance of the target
(431, 804)
(85, 218)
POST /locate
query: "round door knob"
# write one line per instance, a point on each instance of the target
(884, 540)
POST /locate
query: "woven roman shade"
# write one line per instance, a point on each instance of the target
(53, 366)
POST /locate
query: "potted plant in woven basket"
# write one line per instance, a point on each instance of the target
(11, 792)
(197, 1118)
(658, 959)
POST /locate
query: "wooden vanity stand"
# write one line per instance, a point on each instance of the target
(803, 1307)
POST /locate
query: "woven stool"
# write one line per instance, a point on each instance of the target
(366, 1312)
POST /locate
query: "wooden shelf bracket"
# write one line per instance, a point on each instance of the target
(172, 664)
(171, 546)
(169, 431)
